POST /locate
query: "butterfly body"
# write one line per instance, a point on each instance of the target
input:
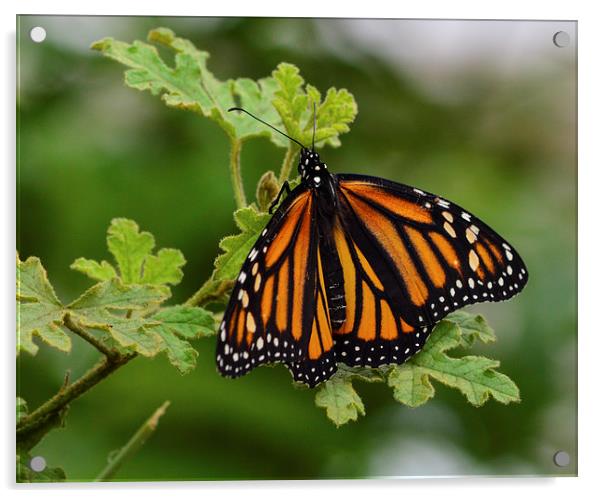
(357, 270)
(316, 177)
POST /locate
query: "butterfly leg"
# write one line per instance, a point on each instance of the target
(285, 188)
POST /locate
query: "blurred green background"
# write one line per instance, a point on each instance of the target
(480, 112)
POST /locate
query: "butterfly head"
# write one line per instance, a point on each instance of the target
(313, 172)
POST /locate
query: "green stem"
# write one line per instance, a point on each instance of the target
(287, 164)
(133, 445)
(211, 290)
(67, 394)
(86, 336)
(235, 174)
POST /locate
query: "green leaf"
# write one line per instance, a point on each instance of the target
(39, 312)
(179, 352)
(473, 327)
(190, 85)
(22, 409)
(98, 271)
(183, 322)
(295, 107)
(476, 377)
(365, 374)
(410, 385)
(33, 284)
(130, 248)
(334, 115)
(236, 247)
(186, 321)
(164, 268)
(132, 251)
(279, 99)
(43, 320)
(338, 396)
(134, 333)
(113, 294)
(291, 102)
(340, 400)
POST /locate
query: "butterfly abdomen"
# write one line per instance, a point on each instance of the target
(335, 292)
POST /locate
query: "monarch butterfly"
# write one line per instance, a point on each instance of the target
(357, 270)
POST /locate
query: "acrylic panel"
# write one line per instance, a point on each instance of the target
(131, 173)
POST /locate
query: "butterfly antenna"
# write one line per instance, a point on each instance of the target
(267, 124)
(313, 137)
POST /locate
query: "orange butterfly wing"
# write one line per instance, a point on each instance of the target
(364, 289)
(409, 258)
(277, 311)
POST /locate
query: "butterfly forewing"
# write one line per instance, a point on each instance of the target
(270, 303)
(278, 310)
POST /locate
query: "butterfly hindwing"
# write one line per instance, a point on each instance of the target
(319, 363)
(377, 327)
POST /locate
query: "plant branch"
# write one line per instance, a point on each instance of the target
(211, 290)
(287, 164)
(67, 394)
(86, 336)
(235, 174)
(133, 445)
